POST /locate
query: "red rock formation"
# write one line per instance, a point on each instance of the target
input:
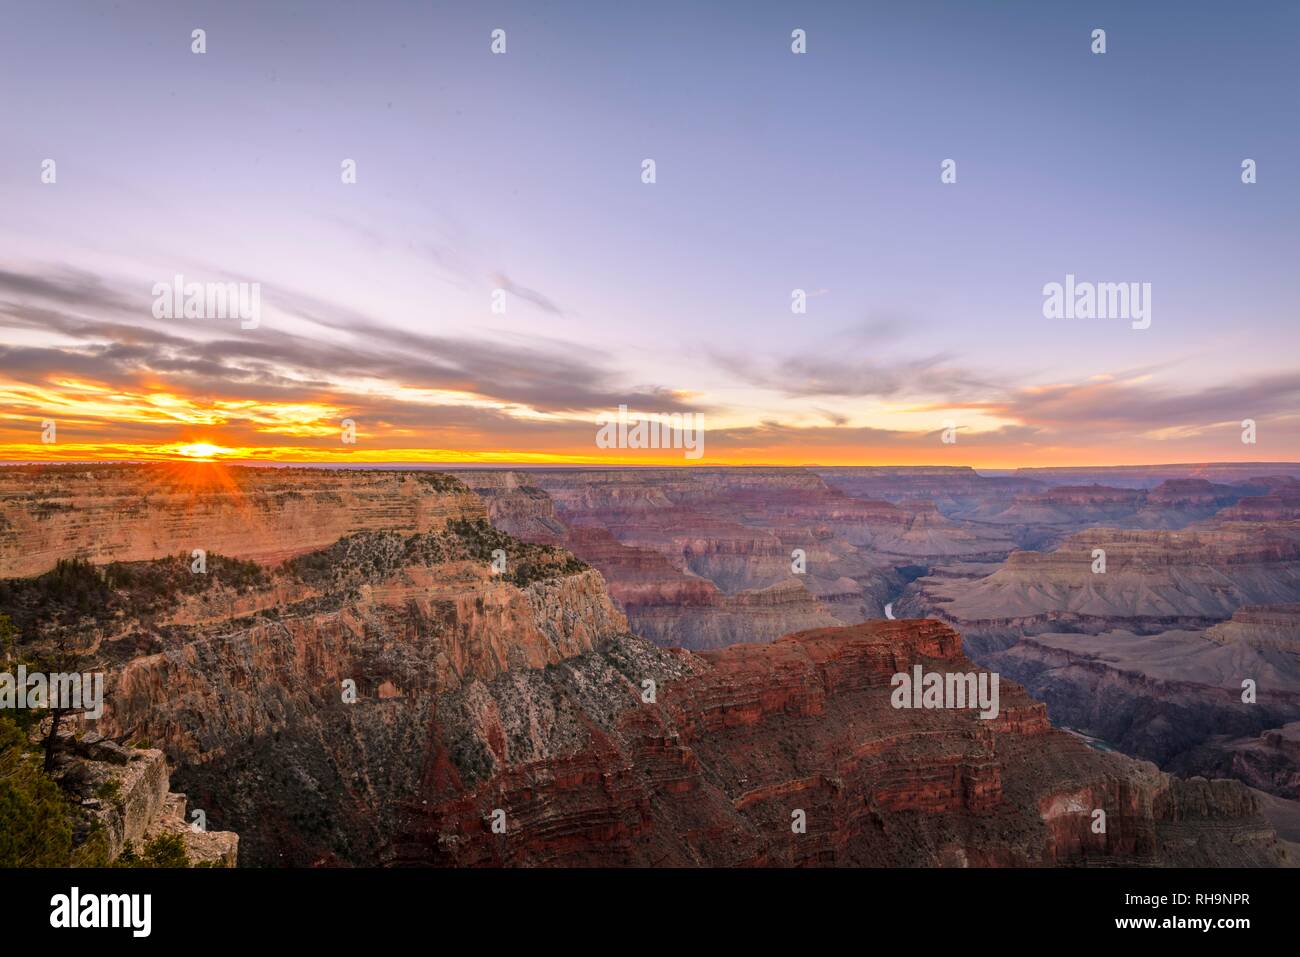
(713, 772)
(1153, 580)
(515, 505)
(523, 691)
(134, 512)
(1280, 504)
(726, 540)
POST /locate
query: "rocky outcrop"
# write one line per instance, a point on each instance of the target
(1153, 654)
(453, 696)
(122, 795)
(1152, 580)
(1172, 504)
(703, 558)
(135, 512)
(1262, 627)
(675, 607)
(1279, 503)
(515, 505)
(1209, 702)
(310, 709)
(1269, 761)
(755, 615)
(1156, 696)
(753, 739)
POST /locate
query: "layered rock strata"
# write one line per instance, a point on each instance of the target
(132, 512)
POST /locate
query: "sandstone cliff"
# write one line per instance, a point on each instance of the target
(380, 698)
(702, 558)
(131, 512)
(122, 796)
(716, 771)
(1152, 580)
(477, 695)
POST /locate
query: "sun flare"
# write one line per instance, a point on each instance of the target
(202, 451)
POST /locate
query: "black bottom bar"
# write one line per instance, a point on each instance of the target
(346, 907)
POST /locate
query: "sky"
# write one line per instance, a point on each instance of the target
(516, 178)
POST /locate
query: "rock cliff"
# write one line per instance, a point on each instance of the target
(429, 690)
(752, 738)
(1152, 580)
(122, 795)
(701, 558)
(130, 512)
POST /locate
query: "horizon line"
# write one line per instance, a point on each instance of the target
(525, 466)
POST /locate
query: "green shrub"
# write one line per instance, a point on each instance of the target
(110, 790)
(165, 850)
(35, 819)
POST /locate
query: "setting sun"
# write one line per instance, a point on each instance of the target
(202, 450)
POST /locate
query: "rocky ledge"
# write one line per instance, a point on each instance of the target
(123, 797)
(752, 739)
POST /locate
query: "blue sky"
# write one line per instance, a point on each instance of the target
(775, 171)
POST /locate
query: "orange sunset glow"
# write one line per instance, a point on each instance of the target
(96, 422)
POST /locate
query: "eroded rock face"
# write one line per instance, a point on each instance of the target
(1269, 761)
(599, 748)
(515, 505)
(705, 558)
(1172, 504)
(1153, 654)
(753, 736)
(1176, 696)
(1152, 580)
(724, 535)
(404, 619)
(135, 512)
(124, 793)
(305, 717)
(1262, 627)
(1280, 502)
(378, 699)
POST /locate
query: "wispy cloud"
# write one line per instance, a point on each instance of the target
(830, 375)
(523, 292)
(108, 361)
(93, 356)
(1134, 405)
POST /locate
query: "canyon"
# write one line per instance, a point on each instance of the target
(1201, 570)
(454, 671)
(701, 558)
(1153, 652)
